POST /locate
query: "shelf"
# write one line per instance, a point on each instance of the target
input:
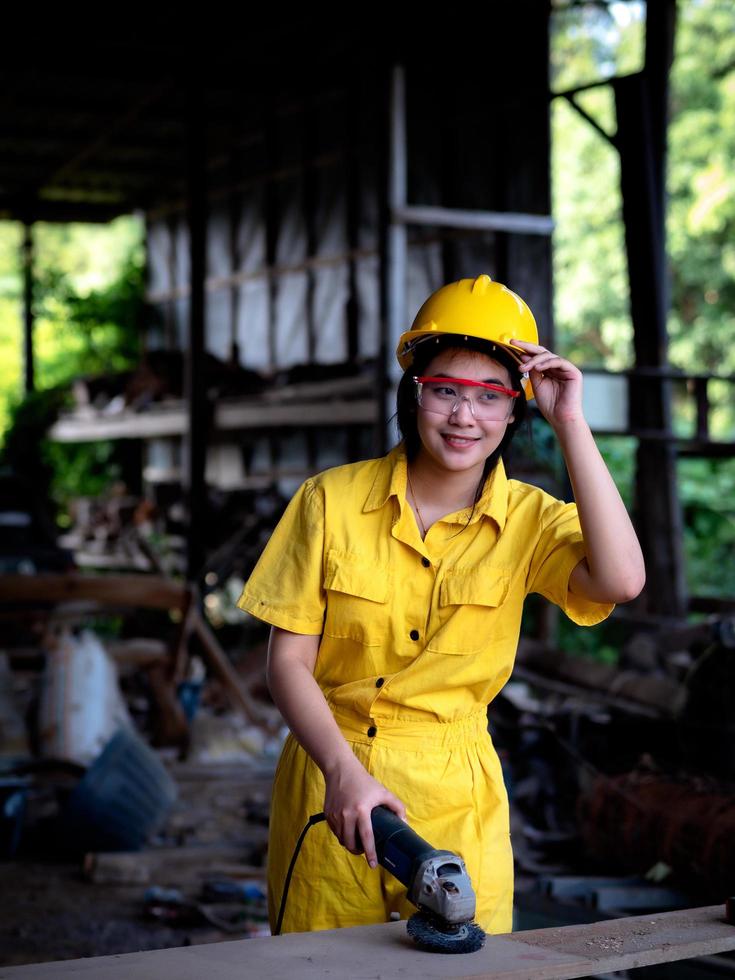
(229, 415)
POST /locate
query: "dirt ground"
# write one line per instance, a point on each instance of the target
(51, 910)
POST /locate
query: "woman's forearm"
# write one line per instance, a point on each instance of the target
(290, 675)
(351, 793)
(614, 570)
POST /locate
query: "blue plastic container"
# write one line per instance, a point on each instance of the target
(121, 800)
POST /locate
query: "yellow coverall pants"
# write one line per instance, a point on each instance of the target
(449, 777)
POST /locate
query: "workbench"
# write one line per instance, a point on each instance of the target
(381, 952)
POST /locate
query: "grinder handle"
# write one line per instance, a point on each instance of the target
(400, 850)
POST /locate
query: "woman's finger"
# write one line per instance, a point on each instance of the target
(394, 804)
(525, 344)
(336, 827)
(365, 830)
(545, 362)
(350, 838)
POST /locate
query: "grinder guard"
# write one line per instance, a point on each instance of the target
(436, 881)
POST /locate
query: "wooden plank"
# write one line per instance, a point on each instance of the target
(382, 951)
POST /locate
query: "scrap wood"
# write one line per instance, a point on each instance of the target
(239, 872)
(171, 724)
(386, 951)
(147, 592)
(139, 867)
(655, 696)
(255, 713)
(137, 652)
(640, 818)
(233, 773)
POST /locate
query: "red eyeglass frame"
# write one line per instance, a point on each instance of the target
(424, 379)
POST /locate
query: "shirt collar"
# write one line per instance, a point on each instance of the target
(390, 481)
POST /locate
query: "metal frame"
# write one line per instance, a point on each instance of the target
(401, 214)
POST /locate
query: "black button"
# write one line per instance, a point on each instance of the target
(380, 681)
(414, 634)
(372, 731)
(426, 563)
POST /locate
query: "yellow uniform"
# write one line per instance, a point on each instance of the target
(417, 638)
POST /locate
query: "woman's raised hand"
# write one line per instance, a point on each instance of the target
(557, 383)
(351, 796)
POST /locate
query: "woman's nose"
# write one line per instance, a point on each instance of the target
(463, 411)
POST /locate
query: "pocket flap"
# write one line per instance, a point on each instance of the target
(356, 575)
(484, 586)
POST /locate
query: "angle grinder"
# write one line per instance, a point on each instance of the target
(436, 882)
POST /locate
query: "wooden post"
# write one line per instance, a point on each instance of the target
(195, 447)
(641, 102)
(27, 259)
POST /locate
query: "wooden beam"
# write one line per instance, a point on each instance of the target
(641, 105)
(524, 224)
(386, 951)
(231, 415)
(147, 591)
(20, 208)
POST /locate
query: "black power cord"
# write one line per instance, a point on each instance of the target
(314, 818)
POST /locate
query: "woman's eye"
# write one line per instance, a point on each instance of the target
(489, 396)
(444, 391)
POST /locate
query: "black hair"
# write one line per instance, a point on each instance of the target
(406, 407)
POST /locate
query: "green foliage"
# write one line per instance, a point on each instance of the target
(95, 333)
(591, 43)
(89, 308)
(58, 471)
(619, 454)
(701, 227)
(592, 317)
(88, 296)
(26, 450)
(707, 489)
(602, 642)
(80, 470)
(10, 316)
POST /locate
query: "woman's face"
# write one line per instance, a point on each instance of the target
(461, 442)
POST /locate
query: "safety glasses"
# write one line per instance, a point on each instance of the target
(443, 396)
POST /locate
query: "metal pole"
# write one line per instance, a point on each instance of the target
(397, 241)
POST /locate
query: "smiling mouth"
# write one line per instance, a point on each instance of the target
(463, 440)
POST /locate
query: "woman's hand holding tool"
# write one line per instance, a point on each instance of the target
(351, 796)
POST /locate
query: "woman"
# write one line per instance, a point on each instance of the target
(394, 588)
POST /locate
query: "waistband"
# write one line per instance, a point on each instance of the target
(410, 733)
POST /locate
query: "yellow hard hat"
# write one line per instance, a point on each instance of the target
(478, 308)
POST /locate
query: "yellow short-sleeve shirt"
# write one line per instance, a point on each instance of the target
(409, 628)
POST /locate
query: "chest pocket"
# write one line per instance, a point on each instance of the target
(472, 613)
(357, 593)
